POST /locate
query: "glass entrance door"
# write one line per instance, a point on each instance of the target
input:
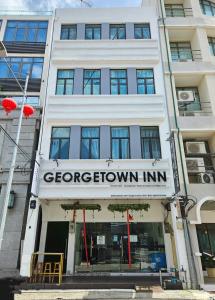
(107, 247)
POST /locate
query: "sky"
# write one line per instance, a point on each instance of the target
(52, 4)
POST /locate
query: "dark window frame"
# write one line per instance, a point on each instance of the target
(93, 27)
(211, 5)
(60, 142)
(68, 27)
(172, 8)
(90, 142)
(26, 30)
(142, 26)
(120, 145)
(116, 36)
(177, 48)
(118, 83)
(90, 80)
(65, 82)
(21, 63)
(145, 82)
(157, 138)
(211, 41)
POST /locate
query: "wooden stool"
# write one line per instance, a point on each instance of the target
(57, 269)
(48, 270)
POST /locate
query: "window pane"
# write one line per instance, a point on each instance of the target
(85, 149)
(155, 148)
(120, 132)
(9, 35)
(95, 149)
(115, 149)
(41, 35)
(61, 132)
(54, 148)
(60, 87)
(90, 132)
(64, 149)
(3, 70)
(124, 149)
(88, 34)
(97, 34)
(37, 70)
(31, 36)
(146, 149)
(69, 87)
(138, 33)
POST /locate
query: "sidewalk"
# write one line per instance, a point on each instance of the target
(156, 294)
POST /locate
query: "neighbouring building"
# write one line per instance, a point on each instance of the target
(105, 144)
(27, 40)
(188, 47)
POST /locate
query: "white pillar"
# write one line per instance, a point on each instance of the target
(30, 238)
(168, 251)
(180, 245)
(71, 251)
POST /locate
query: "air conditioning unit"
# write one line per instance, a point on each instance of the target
(185, 96)
(207, 178)
(195, 147)
(195, 165)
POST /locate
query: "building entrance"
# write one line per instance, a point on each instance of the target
(107, 247)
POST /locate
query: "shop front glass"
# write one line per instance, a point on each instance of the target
(107, 245)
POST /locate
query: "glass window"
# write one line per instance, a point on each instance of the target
(142, 31)
(32, 100)
(208, 7)
(60, 139)
(150, 142)
(22, 66)
(26, 31)
(68, 32)
(211, 41)
(145, 82)
(174, 10)
(92, 82)
(118, 82)
(181, 51)
(65, 82)
(120, 142)
(194, 106)
(92, 32)
(90, 143)
(117, 32)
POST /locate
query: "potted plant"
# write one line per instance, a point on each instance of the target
(210, 264)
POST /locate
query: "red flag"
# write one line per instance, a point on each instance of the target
(130, 218)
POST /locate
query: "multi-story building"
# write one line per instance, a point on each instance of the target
(188, 35)
(105, 148)
(27, 41)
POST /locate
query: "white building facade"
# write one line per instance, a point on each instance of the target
(105, 144)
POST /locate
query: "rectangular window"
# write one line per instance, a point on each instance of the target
(92, 32)
(150, 142)
(142, 31)
(22, 66)
(120, 143)
(117, 32)
(208, 7)
(174, 10)
(60, 140)
(65, 82)
(92, 82)
(68, 32)
(26, 31)
(118, 82)
(32, 100)
(90, 143)
(181, 51)
(211, 41)
(145, 82)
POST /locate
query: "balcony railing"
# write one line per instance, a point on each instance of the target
(179, 12)
(184, 55)
(187, 109)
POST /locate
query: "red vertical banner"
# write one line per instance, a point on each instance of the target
(85, 237)
(129, 241)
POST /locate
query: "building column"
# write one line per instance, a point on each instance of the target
(168, 250)
(71, 250)
(30, 238)
(181, 251)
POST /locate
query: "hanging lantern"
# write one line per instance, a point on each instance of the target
(8, 104)
(28, 110)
